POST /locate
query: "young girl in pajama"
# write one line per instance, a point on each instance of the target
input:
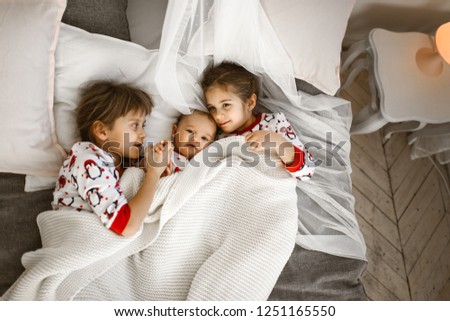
(111, 120)
(231, 94)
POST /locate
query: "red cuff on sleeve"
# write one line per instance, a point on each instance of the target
(299, 159)
(121, 220)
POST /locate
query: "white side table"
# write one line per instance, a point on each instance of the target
(400, 91)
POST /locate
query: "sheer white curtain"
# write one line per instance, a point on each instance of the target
(198, 33)
(433, 145)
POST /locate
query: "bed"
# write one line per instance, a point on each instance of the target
(127, 39)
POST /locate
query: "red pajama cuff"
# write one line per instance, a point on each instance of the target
(121, 220)
(299, 159)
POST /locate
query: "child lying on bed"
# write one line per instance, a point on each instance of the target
(191, 134)
(111, 120)
(231, 94)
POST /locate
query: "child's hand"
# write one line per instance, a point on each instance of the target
(168, 170)
(158, 158)
(264, 140)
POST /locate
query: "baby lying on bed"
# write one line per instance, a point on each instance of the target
(190, 135)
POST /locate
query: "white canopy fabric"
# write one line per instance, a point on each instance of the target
(198, 33)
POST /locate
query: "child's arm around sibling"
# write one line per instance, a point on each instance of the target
(276, 130)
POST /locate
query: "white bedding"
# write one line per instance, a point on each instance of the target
(329, 224)
(326, 220)
(213, 233)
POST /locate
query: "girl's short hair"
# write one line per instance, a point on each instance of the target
(233, 77)
(106, 101)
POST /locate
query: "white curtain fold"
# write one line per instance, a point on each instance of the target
(197, 33)
(438, 145)
(326, 220)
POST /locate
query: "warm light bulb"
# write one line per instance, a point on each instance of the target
(430, 60)
(442, 40)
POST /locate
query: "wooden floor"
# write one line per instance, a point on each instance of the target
(403, 210)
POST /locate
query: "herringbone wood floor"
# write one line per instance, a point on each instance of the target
(403, 210)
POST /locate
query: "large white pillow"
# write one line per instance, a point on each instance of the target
(82, 57)
(312, 32)
(28, 35)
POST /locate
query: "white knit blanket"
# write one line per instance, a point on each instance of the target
(221, 231)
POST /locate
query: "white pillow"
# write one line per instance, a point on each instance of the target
(81, 57)
(312, 32)
(28, 35)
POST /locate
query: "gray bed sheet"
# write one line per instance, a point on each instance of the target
(308, 275)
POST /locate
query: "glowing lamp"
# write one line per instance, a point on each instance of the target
(430, 60)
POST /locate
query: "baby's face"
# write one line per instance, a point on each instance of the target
(193, 133)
